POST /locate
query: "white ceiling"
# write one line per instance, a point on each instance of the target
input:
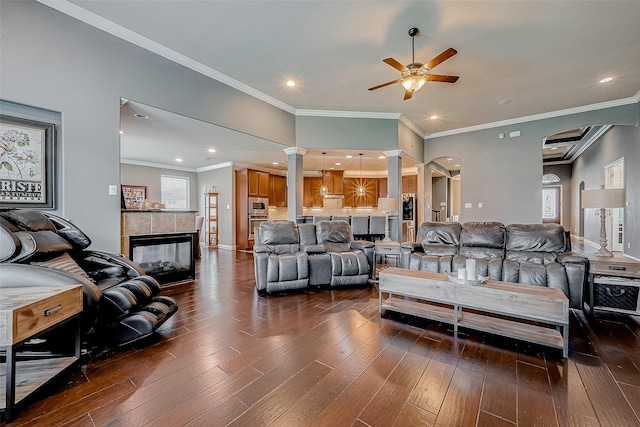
(543, 56)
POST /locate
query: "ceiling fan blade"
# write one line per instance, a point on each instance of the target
(384, 84)
(395, 64)
(441, 78)
(407, 95)
(440, 58)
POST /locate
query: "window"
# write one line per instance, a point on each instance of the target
(175, 191)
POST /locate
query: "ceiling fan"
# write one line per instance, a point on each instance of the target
(415, 75)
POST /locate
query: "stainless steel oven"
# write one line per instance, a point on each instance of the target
(255, 221)
(258, 206)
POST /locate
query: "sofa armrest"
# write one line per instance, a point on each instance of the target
(572, 258)
(261, 249)
(361, 244)
(576, 267)
(406, 249)
(315, 249)
(93, 261)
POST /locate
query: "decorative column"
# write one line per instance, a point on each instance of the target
(394, 189)
(295, 182)
(421, 198)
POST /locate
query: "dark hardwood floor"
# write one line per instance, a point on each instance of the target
(325, 358)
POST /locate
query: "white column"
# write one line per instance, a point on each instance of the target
(295, 182)
(394, 189)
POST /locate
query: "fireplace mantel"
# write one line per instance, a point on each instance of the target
(145, 222)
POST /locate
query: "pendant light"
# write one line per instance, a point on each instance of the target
(324, 190)
(361, 190)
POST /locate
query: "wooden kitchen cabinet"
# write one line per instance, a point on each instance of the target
(277, 190)
(312, 196)
(370, 198)
(334, 180)
(410, 184)
(258, 184)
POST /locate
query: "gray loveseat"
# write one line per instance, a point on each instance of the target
(289, 256)
(535, 254)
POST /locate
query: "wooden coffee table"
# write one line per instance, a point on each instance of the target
(536, 314)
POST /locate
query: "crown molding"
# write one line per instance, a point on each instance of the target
(408, 123)
(348, 114)
(123, 33)
(542, 116)
(216, 166)
(157, 165)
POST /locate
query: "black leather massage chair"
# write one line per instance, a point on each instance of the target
(122, 305)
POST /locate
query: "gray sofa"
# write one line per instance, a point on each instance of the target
(290, 256)
(535, 254)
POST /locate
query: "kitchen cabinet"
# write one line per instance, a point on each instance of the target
(312, 196)
(410, 184)
(370, 197)
(277, 190)
(334, 180)
(258, 183)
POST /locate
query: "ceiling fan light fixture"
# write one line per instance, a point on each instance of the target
(413, 83)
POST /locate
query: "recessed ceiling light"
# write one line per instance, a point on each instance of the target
(348, 157)
(332, 168)
(504, 101)
(211, 150)
(141, 116)
(291, 83)
(381, 157)
(121, 132)
(274, 163)
(178, 159)
(606, 80)
(338, 163)
(449, 158)
(457, 165)
(433, 117)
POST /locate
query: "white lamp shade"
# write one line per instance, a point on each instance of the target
(413, 83)
(388, 204)
(603, 198)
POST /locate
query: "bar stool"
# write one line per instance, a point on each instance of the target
(377, 225)
(360, 227)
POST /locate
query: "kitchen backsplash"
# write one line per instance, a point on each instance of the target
(276, 213)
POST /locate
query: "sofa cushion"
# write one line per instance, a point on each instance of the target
(278, 233)
(535, 238)
(333, 232)
(483, 234)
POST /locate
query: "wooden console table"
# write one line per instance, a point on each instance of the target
(25, 313)
(531, 313)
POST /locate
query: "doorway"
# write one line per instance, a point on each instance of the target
(614, 178)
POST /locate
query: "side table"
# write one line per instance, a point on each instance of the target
(385, 249)
(26, 313)
(614, 285)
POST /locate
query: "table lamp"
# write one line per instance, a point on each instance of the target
(603, 199)
(386, 205)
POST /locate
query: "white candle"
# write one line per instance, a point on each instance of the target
(471, 269)
(462, 273)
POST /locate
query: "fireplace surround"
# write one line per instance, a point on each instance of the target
(168, 258)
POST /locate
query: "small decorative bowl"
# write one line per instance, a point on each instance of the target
(479, 280)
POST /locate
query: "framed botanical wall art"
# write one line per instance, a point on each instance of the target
(27, 153)
(133, 196)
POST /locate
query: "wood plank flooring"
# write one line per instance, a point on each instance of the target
(325, 358)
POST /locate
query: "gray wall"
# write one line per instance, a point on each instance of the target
(150, 177)
(55, 62)
(346, 133)
(505, 175)
(619, 141)
(223, 180)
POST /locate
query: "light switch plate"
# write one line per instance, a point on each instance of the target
(113, 190)
(468, 205)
